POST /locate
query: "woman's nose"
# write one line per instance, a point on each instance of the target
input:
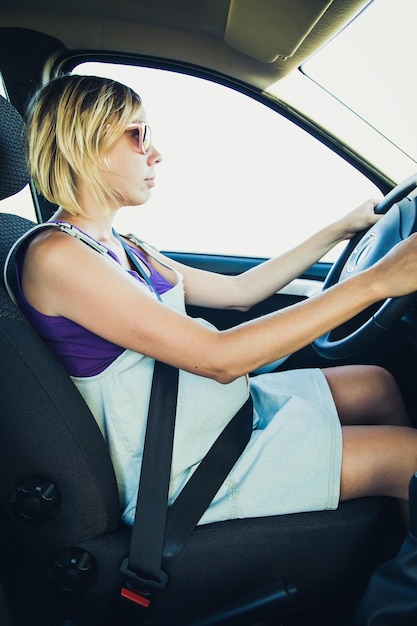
(154, 156)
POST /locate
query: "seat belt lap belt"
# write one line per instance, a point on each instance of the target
(199, 491)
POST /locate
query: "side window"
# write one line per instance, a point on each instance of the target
(22, 202)
(236, 177)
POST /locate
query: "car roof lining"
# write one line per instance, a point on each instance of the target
(210, 33)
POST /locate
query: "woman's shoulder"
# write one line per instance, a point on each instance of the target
(50, 251)
(47, 243)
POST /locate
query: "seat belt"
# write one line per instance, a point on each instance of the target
(142, 568)
(159, 532)
(199, 491)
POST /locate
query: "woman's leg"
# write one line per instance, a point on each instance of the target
(366, 394)
(379, 446)
(378, 461)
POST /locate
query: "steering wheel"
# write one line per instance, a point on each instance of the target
(363, 251)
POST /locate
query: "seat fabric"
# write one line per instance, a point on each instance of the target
(5, 615)
(13, 172)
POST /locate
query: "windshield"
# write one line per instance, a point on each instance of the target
(369, 69)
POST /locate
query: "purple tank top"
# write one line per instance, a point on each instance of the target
(82, 352)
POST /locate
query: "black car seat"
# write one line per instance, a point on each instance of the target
(58, 493)
(5, 615)
(13, 179)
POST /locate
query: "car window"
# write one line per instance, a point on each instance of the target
(373, 76)
(21, 203)
(236, 177)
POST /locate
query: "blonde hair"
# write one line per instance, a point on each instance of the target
(72, 122)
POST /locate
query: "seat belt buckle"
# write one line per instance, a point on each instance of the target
(138, 589)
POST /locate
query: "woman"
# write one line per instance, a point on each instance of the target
(316, 437)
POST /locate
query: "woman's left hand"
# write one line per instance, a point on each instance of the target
(359, 219)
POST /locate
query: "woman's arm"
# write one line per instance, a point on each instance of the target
(62, 276)
(247, 289)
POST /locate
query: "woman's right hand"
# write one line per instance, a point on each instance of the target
(396, 273)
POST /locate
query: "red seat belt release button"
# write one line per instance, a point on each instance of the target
(135, 596)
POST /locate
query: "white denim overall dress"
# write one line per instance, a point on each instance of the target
(119, 397)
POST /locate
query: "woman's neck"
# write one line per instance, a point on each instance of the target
(98, 226)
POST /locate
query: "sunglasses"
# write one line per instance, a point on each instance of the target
(142, 132)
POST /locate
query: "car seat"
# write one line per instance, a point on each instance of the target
(58, 493)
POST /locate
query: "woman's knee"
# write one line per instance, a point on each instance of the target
(377, 461)
(392, 409)
(366, 394)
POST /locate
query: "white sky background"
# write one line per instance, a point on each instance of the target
(376, 67)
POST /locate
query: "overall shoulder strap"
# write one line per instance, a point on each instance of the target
(135, 262)
(25, 239)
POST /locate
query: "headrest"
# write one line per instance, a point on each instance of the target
(13, 173)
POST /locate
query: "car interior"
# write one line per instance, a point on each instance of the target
(63, 545)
